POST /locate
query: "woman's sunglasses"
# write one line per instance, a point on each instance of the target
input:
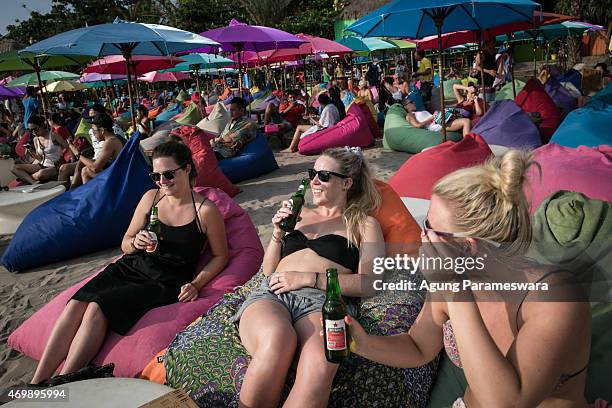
(168, 174)
(324, 175)
(427, 227)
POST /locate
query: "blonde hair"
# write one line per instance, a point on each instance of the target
(488, 201)
(362, 197)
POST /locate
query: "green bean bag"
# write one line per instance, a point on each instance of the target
(400, 136)
(191, 116)
(506, 91)
(208, 360)
(448, 88)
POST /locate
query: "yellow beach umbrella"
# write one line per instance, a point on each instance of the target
(64, 86)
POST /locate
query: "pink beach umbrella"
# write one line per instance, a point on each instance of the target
(312, 46)
(155, 76)
(139, 64)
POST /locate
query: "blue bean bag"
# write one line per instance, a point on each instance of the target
(560, 96)
(506, 124)
(573, 76)
(90, 218)
(255, 158)
(605, 96)
(587, 126)
(168, 113)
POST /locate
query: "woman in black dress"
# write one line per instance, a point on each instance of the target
(140, 281)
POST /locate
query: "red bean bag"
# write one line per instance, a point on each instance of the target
(533, 98)
(368, 110)
(155, 111)
(418, 175)
(157, 328)
(352, 131)
(586, 170)
(207, 165)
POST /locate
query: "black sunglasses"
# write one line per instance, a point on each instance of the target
(324, 175)
(168, 174)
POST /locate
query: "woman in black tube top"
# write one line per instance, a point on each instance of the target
(281, 318)
(140, 281)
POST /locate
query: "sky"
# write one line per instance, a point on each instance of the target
(12, 9)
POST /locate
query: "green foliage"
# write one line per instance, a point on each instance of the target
(201, 15)
(591, 11)
(315, 17)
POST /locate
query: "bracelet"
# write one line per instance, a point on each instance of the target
(132, 243)
(276, 239)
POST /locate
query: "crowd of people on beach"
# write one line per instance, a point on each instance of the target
(512, 352)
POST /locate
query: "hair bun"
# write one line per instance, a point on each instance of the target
(512, 168)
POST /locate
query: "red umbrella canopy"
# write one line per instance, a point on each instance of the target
(139, 64)
(472, 36)
(313, 45)
(163, 76)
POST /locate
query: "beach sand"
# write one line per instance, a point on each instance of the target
(23, 294)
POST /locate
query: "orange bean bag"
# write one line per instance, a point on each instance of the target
(155, 111)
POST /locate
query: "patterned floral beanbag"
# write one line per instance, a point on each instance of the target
(208, 360)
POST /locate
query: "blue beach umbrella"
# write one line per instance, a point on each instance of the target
(121, 37)
(366, 44)
(417, 19)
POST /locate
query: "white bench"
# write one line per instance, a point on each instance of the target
(418, 208)
(18, 202)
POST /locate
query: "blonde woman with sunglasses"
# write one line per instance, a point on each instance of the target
(517, 348)
(279, 321)
(141, 280)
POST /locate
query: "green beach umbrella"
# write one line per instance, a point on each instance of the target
(32, 78)
(13, 61)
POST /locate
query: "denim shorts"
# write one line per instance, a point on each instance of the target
(299, 302)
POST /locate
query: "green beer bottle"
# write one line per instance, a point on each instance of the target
(154, 229)
(335, 332)
(297, 201)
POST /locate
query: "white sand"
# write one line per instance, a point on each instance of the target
(23, 294)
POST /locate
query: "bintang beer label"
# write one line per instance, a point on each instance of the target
(335, 332)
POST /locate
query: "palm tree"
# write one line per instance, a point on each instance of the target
(265, 12)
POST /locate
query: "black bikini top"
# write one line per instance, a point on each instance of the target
(331, 246)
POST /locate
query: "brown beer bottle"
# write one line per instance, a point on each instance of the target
(335, 331)
(297, 201)
(154, 229)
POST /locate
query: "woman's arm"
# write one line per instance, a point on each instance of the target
(526, 376)
(212, 222)
(477, 108)
(419, 346)
(106, 154)
(273, 252)
(456, 89)
(138, 223)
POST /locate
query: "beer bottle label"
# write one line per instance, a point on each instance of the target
(335, 334)
(152, 247)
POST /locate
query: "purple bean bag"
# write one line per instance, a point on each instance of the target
(353, 131)
(157, 328)
(560, 96)
(506, 124)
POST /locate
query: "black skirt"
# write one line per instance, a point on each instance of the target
(127, 289)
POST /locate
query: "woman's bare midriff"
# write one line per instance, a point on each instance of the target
(307, 260)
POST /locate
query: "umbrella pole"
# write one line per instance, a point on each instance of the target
(42, 92)
(129, 85)
(534, 59)
(439, 26)
(239, 71)
(482, 83)
(511, 56)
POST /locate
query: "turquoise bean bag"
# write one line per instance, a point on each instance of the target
(587, 126)
(400, 136)
(448, 88)
(506, 91)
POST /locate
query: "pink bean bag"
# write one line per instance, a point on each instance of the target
(352, 131)
(418, 175)
(533, 98)
(157, 328)
(586, 170)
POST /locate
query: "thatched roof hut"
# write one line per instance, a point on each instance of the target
(355, 9)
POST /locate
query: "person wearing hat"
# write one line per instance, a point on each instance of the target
(85, 168)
